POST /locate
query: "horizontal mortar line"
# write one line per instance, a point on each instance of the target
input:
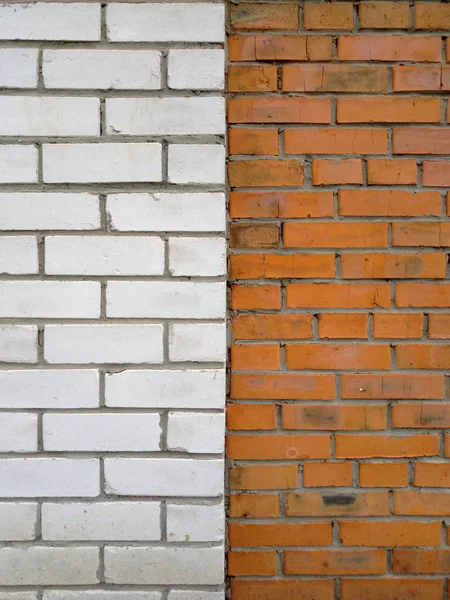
(79, 92)
(114, 188)
(105, 278)
(112, 410)
(113, 498)
(65, 543)
(155, 46)
(108, 138)
(116, 454)
(347, 219)
(114, 368)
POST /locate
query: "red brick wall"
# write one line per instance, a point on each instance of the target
(339, 457)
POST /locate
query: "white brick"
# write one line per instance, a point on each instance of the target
(195, 595)
(50, 21)
(163, 477)
(18, 164)
(47, 477)
(165, 299)
(18, 596)
(98, 595)
(164, 22)
(103, 255)
(197, 256)
(196, 69)
(49, 389)
(17, 521)
(18, 343)
(108, 521)
(164, 389)
(18, 67)
(34, 210)
(161, 566)
(167, 212)
(49, 116)
(98, 432)
(103, 344)
(41, 565)
(196, 432)
(18, 432)
(102, 69)
(165, 116)
(196, 163)
(102, 163)
(191, 523)
(202, 342)
(18, 255)
(52, 299)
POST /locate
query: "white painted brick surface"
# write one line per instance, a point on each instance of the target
(18, 521)
(18, 67)
(195, 595)
(165, 22)
(102, 432)
(197, 163)
(110, 521)
(103, 255)
(204, 342)
(18, 432)
(191, 523)
(103, 344)
(18, 255)
(18, 596)
(167, 212)
(49, 389)
(100, 163)
(196, 69)
(197, 256)
(201, 566)
(18, 164)
(18, 343)
(164, 477)
(195, 432)
(102, 69)
(98, 595)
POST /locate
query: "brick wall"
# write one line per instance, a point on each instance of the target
(112, 301)
(339, 458)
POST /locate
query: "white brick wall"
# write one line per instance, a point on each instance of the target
(112, 300)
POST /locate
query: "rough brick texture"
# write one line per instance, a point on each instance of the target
(112, 300)
(338, 142)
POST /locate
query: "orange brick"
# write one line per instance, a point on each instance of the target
(392, 172)
(281, 589)
(383, 475)
(385, 446)
(345, 325)
(396, 325)
(388, 110)
(275, 266)
(279, 110)
(390, 48)
(272, 327)
(383, 15)
(334, 78)
(332, 235)
(335, 141)
(254, 297)
(333, 417)
(251, 417)
(330, 172)
(338, 356)
(421, 561)
(252, 563)
(423, 356)
(392, 533)
(393, 266)
(334, 562)
(324, 15)
(433, 15)
(264, 16)
(278, 447)
(253, 141)
(258, 477)
(407, 502)
(391, 589)
(246, 535)
(253, 506)
(436, 173)
(430, 141)
(280, 47)
(327, 474)
(254, 236)
(283, 386)
(264, 173)
(337, 295)
(255, 78)
(439, 327)
(337, 504)
(388, 203)
(253, 357)
(398, 386)
(281, 204)
(415, 78)
(426, 295)
(422, 416)
(432, 474)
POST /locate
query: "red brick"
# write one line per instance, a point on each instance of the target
(258, 477)
(388, 110)
(438, 327)
(436, 173)
(430, 504)
(246, 535)
(335, 141)
(254, 236)
(334, 78)
(325, 15)
(254, 297)
(393, 266)
(398, 386)
(423, 356)
(334, 562)
(253, 141)
(332, 235)
(272, 327)
(421, 233)
(345, 325)
(327, 474)
(397, 325)
(338, 295)
(265, 173)
(331, 172)
(251, 417)
(383, 475)
(383, 15)
(281, 204)
(390, 48)
(279, 110)
(388, 203)
(410, 560)
(385, 446)
(275, 266)
(283, 386)
(251, 357)
(333, 417)
(392, 172)
(392, 533)
(337, 504)
(278, 447)
(415, 78)
(338, 356)
(260, 78)
(391, 589)
(264, 16)
(430, 141)
(432, 474)
(252, 563)
(422, 416)
(253, 506)
(290, 589)
(426, 295)
(280, 47)
(431, 15)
